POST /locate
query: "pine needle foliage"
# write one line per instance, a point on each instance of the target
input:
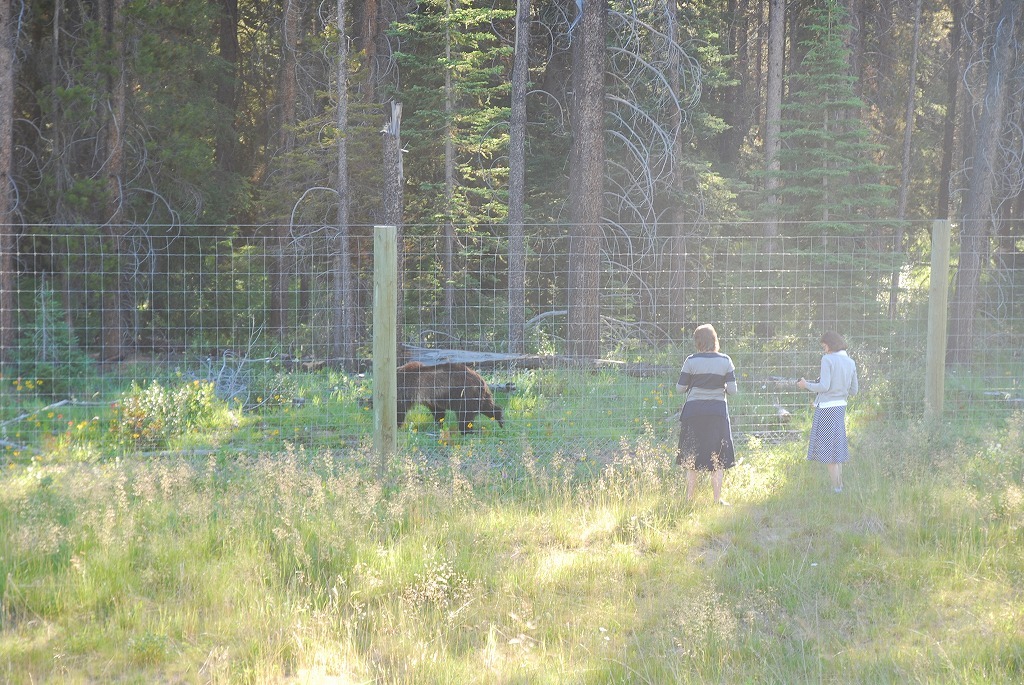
(830, 171)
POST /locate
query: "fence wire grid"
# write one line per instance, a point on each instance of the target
(233, 338)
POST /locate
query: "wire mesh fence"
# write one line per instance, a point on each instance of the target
(145, 341)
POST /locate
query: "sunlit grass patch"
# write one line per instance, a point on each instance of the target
(482, 562)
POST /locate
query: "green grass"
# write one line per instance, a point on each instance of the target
(550, 409)
(482, 562)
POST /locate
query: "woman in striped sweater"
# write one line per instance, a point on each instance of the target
(705, 434)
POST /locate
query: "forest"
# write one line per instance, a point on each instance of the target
(283, 130)
(191, 192)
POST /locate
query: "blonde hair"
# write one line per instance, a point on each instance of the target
(705, 338)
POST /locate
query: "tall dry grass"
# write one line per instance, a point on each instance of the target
(476, 565)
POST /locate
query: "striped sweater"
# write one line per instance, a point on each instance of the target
(707, 376)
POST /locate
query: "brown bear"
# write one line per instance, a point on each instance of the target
(443, 387)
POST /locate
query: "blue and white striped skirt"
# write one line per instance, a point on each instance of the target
(828, 436)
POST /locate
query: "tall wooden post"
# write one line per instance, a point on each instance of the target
(938, 295)
(385, 383)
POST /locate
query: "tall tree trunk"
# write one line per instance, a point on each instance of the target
(517, 183)
(7, 239)
(736, 112)
(977, 213)
(369, 20)
(680, 277)
(73, 280)
(116, 294)
(280, 280)
(448, 251)
(758, 59)
(908, 127)
(586, 182)
(953, 77)
(228, 45)
(773, 115)
(856, 11)
(343, 313)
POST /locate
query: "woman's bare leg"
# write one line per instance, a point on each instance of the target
(717, 477)
(835, 472)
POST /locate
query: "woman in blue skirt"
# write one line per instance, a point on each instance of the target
(837, 382)
(705, 434)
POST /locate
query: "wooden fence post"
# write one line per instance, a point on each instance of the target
(385, 298)
(938, 295)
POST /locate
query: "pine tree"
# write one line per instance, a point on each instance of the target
(828, 183)
(454, 84)
(828, 163)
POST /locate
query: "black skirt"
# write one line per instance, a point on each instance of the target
(705, 443)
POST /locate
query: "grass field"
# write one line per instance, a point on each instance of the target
(477, 563)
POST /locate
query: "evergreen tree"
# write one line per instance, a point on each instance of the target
(829, 185)
(828, 163)
(446, 38)
(454, 85)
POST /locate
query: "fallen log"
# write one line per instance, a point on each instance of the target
(435, 356)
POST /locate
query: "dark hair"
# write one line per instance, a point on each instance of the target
(705, 338)
(834, 341)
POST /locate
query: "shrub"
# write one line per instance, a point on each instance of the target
(150, 417)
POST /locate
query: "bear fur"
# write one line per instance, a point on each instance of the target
(443, 387)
